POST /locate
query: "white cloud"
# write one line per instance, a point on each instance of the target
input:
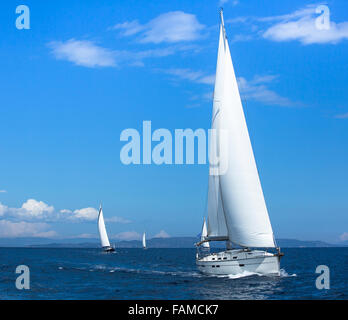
(84, 236)
(309, 10)
(129, 28)
(300, 25)
(36, 208)
(170, 27)
(185, 74)
(25, 229)
(342, 116)
(237, 20)
(87, 214)
(222, 2)
(191, 75)
(127, 235)
(3, 209)
(83, 53)
(45, 234)
(207, 79)
(257, 90)
(162, 234)
(118, 220)
(136, 58)
(208, 95)
(241, 37)
(32, 209)
(344, 236)
(3, 191)
(264, 79)
(305, 31)
(65, 211)
(175, 26)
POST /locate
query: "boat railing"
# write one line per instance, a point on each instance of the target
(203, 252)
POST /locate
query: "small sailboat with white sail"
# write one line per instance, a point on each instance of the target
(204, 235)
(144, 241)
(105, 243)
(237, 211)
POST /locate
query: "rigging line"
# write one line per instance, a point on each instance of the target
(215, 115)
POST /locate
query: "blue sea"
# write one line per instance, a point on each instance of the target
(164, 274)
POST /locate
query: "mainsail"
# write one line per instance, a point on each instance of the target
(236, 206)
(102, 230)
(144, 240)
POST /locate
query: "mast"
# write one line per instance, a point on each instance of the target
(217, 228)
(223, 24)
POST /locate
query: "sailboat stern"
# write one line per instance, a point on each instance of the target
(109, 249)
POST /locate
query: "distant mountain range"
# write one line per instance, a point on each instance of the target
(172, 242)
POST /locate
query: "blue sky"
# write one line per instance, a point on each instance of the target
(83, 73)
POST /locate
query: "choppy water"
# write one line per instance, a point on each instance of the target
(164, 274)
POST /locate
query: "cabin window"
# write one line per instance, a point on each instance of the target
(213, 266)
(241, 265)
(225, 258)
(217, 266)
(219, 258)
(234, 257)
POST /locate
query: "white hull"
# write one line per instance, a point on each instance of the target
(109, 249)
(233, 262)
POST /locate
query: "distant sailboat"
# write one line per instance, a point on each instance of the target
(204, 235)
(105, 243)
(144, 241)
(237, 211)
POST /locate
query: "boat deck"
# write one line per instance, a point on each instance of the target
(238, 254)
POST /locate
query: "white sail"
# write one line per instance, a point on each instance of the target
(236, 191)
(216, 217)
(102, 230)
(144, 240)
(204, 235)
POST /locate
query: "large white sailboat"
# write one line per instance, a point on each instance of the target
(105, 243)
(237, 211)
